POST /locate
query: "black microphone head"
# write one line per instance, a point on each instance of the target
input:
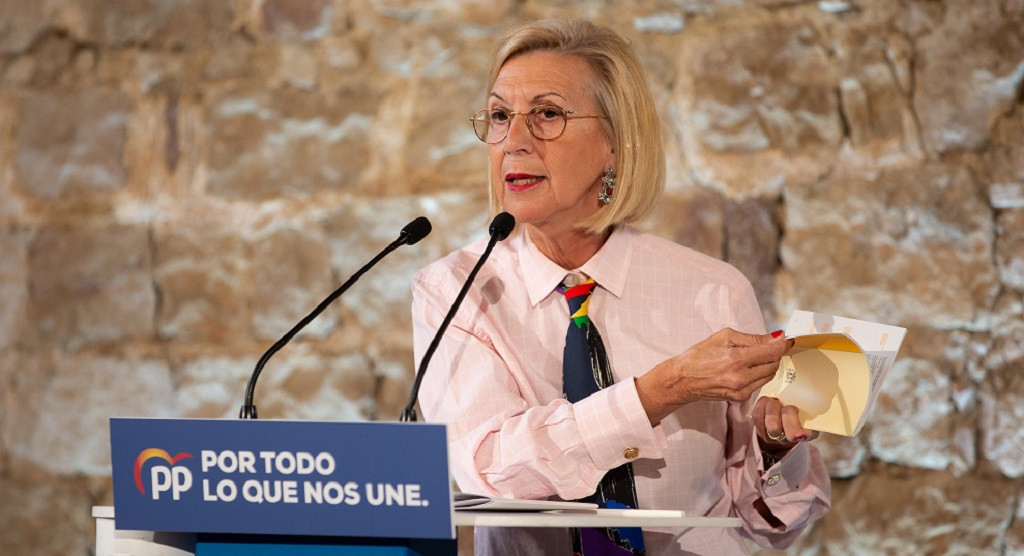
(502, 225)
(415, 230)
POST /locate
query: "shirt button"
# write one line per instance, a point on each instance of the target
(630, 453)
(575, 279)
(773, 479)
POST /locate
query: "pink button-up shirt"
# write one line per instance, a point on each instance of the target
(496, 380)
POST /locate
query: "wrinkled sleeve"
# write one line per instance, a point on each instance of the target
(796, 491)
(502, 440)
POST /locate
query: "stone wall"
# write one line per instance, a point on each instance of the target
(181, 180)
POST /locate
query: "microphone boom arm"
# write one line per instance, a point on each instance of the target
(412, 233)
(500, 228)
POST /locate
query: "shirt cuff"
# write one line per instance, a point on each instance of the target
(788, 473)
(615, 427)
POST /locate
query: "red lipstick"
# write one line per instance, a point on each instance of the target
(521, 182)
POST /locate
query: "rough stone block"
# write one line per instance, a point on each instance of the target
(238, 58)
(694, 218)
(911, 511)
(1003, 162)
(440, 152)
(58, 429)
(45, 515)
(844, 455)
(182, 24)
(13, 288)
(20, 24)
(18, 72)
(1014, 540)
(965, 77)
(1010, 248)
(200, 270)
(8, 369)
(469, 12)
(308, 386)
(874, 92)
(380, 301)
(297, 67)
(1002, 422)
(427, 147)
(52, 62)
(291, 275)
(91, 284)
(288, 143)
(752, 245)
(395, 373)
(213, 387)
(757, 96)
(914, 416)
(297, 19)
(72, 142)
(297, 383)
(940, 362)
(921, 236)
(1006, 340)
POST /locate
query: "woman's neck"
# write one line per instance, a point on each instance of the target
(569, 249)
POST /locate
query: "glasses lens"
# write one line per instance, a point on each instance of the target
(481, 124)
(499, 122)
(547, 122)
(491, 126)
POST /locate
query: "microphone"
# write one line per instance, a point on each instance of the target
(500, 228)
(410, 234)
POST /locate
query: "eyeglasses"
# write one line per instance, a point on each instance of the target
(545, 122)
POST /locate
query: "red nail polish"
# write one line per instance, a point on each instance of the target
(777, 334)
(801, 438)
(776, 399)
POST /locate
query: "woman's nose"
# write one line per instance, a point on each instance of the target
(519, 135)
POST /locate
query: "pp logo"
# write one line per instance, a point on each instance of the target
(163, 478)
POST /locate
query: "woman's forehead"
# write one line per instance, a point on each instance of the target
(538, 76)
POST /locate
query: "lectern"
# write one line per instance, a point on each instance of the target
(225, 487)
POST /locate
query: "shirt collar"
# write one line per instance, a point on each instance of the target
(608, 267)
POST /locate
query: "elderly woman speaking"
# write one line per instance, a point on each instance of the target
(595, 362)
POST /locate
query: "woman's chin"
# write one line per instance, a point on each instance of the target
(520, 211)
(525, 215)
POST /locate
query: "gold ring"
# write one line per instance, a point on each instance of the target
(781, 437)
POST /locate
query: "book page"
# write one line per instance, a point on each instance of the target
(825, 376)
(879, 342)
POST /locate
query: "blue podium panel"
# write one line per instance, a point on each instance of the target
(267, 477)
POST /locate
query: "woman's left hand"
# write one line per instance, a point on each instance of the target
(778, 426)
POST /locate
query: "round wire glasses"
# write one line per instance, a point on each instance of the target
(545, 122)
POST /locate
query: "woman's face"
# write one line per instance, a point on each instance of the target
(549, 185)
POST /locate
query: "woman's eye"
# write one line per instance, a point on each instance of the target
(549, 113)
(499, 116)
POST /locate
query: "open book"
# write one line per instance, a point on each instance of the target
(835, 370)
(475, 502)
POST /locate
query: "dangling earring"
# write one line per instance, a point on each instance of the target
(608, 189)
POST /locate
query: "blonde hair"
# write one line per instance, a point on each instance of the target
(623, 95)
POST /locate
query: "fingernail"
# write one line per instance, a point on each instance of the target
(777, 334)
(776, 399)
(801, 438)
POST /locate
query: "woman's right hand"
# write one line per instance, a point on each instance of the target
(727, 366)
